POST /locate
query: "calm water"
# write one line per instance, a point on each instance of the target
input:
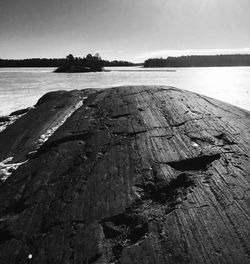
(22, 87)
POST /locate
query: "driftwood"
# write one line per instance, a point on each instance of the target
(126, 175)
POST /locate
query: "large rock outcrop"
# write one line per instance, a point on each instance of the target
(126, 175)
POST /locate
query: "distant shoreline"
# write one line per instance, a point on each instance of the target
(233, 60)
(88, 61)
(146, 69)
(200, 61)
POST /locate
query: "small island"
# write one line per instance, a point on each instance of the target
(88, 64)
(76, 68)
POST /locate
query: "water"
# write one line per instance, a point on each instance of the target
(22, 87)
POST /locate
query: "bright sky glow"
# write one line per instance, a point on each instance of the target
(123, 29)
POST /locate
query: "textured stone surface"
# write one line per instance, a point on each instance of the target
(132, 175)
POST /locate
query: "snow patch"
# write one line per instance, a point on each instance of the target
(7, 168)
(44, 137)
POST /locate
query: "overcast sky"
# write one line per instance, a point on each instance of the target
(123, 29)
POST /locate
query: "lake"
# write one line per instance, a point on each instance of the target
(22, 87)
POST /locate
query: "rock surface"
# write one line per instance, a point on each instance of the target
(126, 175)
(20, 112)
(4, 119)
(77, 69)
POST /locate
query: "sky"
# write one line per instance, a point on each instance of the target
(123, 29)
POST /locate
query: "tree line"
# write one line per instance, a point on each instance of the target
(200, 61)
(88, 61)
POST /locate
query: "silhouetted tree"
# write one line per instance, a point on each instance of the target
(70, 59)
(89, 57)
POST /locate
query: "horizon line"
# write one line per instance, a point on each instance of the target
(164, 54)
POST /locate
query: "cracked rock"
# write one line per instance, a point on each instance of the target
(129, 175)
